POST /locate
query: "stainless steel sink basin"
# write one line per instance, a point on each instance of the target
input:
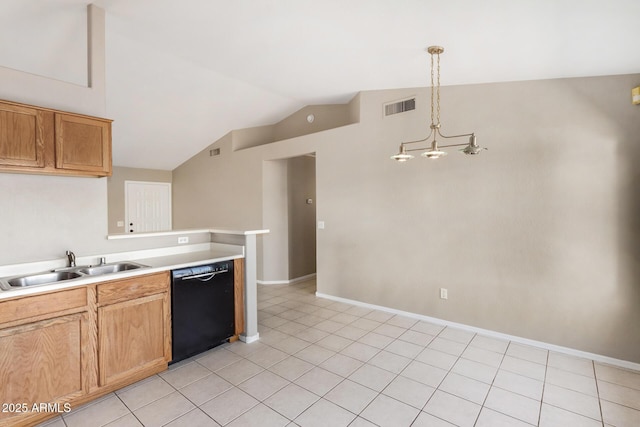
(109, 268)
(18, 282)
(42, 279)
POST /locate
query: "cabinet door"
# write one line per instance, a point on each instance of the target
(44, 362)
(21, 136)
(83, 144)
(133, 336)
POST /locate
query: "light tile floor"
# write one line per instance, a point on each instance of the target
(325, 363)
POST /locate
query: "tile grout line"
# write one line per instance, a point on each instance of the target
(318, 366)
(364, 363)
(544, 386)
(396, 375)
(595, 378)
(449, 371)
(482, 406)
(128, 409)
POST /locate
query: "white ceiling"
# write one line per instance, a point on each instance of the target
(181, 74)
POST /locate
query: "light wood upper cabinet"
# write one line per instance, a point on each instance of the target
(21, 136)
(41, 140)
(83, 144)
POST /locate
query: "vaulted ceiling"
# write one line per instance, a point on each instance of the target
(181, 74)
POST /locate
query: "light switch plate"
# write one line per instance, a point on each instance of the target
(321, 225)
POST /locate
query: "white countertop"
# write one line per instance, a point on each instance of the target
(200, 254)
(175, 261)
(185, 232)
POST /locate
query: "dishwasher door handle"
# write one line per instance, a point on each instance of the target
(208, 276)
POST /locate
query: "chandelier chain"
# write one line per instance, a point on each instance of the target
(435, 91)
(438, 91)
(432, 90)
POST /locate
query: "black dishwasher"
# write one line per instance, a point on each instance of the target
(202, 308)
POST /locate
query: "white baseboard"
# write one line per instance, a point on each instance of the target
(249, 340)
(286, 282)
(552, 347)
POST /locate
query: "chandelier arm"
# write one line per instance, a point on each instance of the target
(419, 140)
(417, 149)
(456, 136)
(453, 145)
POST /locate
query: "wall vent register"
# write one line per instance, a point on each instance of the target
(399, 107)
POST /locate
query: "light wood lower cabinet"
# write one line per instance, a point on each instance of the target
(69, 347)
(45, 359)
(238, 295)
(134, 336)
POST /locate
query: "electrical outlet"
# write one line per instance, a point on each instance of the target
(444, 293)
(184, 239)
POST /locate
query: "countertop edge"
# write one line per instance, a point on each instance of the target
(186, 231)
(155, 265)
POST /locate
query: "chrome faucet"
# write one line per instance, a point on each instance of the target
(72, 258)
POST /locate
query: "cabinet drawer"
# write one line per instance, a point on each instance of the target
(41, 305)
(135, 287)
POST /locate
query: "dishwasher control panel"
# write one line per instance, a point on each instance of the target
(219, 267)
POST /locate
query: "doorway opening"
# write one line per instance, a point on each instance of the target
(289, 212)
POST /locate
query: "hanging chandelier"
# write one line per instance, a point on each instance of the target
(433, 150)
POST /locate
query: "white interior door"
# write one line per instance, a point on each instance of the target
(147, 206)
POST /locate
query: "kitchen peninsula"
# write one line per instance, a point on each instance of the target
(95, 334)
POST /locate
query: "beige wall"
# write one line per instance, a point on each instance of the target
(275, 212)
(536, 237)
(115, 191)
(301, 176)
(42, 216)
(324, 117)
(49, 91)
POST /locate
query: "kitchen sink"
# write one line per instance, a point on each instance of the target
(109, 268)
(42, 279)
(37, 279)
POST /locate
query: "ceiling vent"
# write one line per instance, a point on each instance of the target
(399, 107)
